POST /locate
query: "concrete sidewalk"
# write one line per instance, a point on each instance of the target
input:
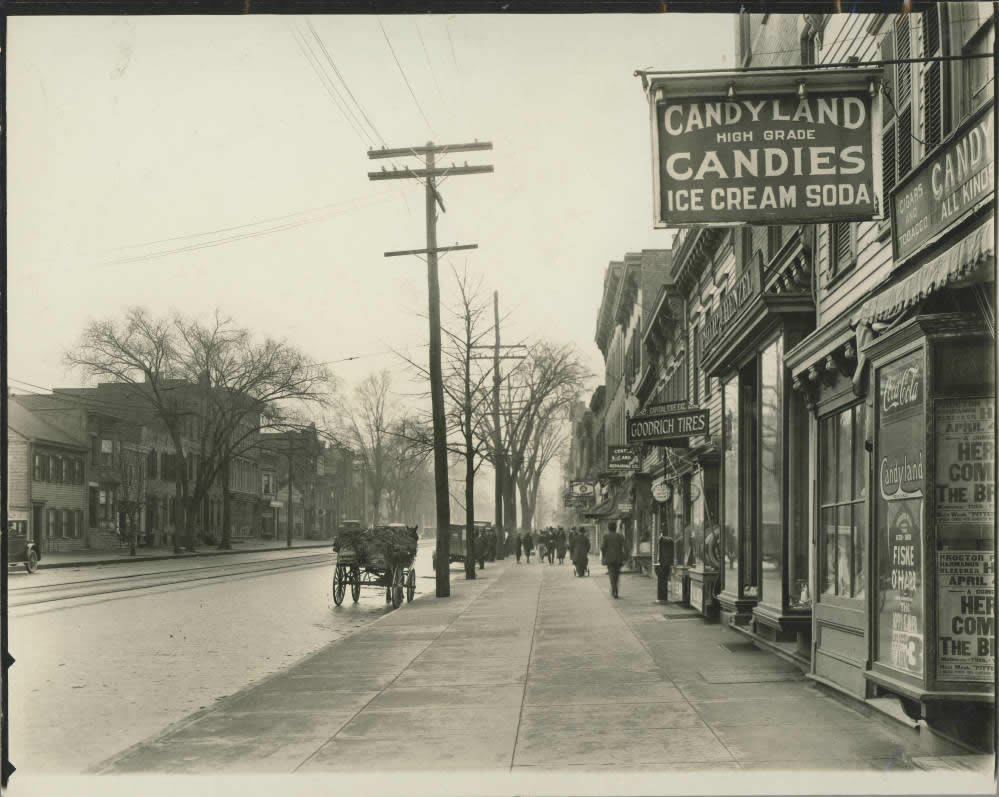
(530, 670)
(153, 554)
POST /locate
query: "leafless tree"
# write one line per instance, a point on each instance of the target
(131, 470)
(466, 395)
(369, 421)
(216, 374)
(532, 397)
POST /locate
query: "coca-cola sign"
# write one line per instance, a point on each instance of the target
(901, 386)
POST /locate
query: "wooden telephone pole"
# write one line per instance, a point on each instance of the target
(433, 198)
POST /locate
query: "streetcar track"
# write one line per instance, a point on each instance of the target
(165, 583)
(70, 584)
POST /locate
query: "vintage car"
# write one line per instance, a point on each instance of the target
(19, 548)
(458, 547)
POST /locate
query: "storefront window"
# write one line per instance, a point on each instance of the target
(772, 473)
(799, 596)
(749, 480)
(695, 523)
(843, 503)
(730, 486)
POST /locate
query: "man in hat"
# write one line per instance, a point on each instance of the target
(613, 553)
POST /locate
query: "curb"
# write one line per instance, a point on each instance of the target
(132, 559)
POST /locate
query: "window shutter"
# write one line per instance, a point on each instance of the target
(903, 154)
(887, 163)
(888, 54)
(932, 80)
(843, 247)
(932, 106)
(903, 50)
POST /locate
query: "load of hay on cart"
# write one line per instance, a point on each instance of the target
(380, 557)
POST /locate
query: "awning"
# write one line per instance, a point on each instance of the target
(605, 508)
(965, 260)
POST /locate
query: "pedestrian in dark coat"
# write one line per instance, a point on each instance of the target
(561, 546)
(519, 546)
(481, 543)
(528, 545)
(580, 552)
(613, 553)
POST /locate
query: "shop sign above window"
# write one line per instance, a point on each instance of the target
(946, 187)
(746, 288)
(764, 147)
(667, 427)
(622, 459)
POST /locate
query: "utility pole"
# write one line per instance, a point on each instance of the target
(291, 471)
(498, 463)
(433, 198)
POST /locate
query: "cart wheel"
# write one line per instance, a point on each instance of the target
(339, 583)
(355, 583)
(32, 564)
(410, 585)
(397, 587)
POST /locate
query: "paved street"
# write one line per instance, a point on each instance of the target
(106, 656)
(530, 670)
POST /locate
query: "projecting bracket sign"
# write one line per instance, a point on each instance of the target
(767, 147)
(667, 428)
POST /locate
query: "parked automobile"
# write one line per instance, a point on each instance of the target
(20, 548)
(457, 548)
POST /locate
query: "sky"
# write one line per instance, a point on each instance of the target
(194, 163)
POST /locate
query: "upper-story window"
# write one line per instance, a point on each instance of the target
(842, 247)
(971, 31)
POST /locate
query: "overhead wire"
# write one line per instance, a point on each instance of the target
(403, 73)
(331, 90)
(346, 86)
(321, 208)
(232, 238)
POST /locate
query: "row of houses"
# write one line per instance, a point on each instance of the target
(87, 465)
(839, 511)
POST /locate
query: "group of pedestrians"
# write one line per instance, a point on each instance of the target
(552, 542)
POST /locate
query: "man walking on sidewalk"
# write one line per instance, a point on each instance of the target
(519, 543)
(612, 552)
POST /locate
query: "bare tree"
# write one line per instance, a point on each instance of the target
(549, 441)
(131, 468)
(370, 420)
(144, 352)
(215, 374)
(545, 384)
(466, 396)
(245, 389)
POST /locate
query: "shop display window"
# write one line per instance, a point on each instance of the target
(843, 503)
(730, 488)
(771, 475)
(799, 595)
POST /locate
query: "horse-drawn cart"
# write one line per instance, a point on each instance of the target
(381, 557)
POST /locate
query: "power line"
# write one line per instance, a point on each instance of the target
(403, 73)
(226, 240)
(353, 201)
(357, 102)
(430, 66)
(331, 90)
